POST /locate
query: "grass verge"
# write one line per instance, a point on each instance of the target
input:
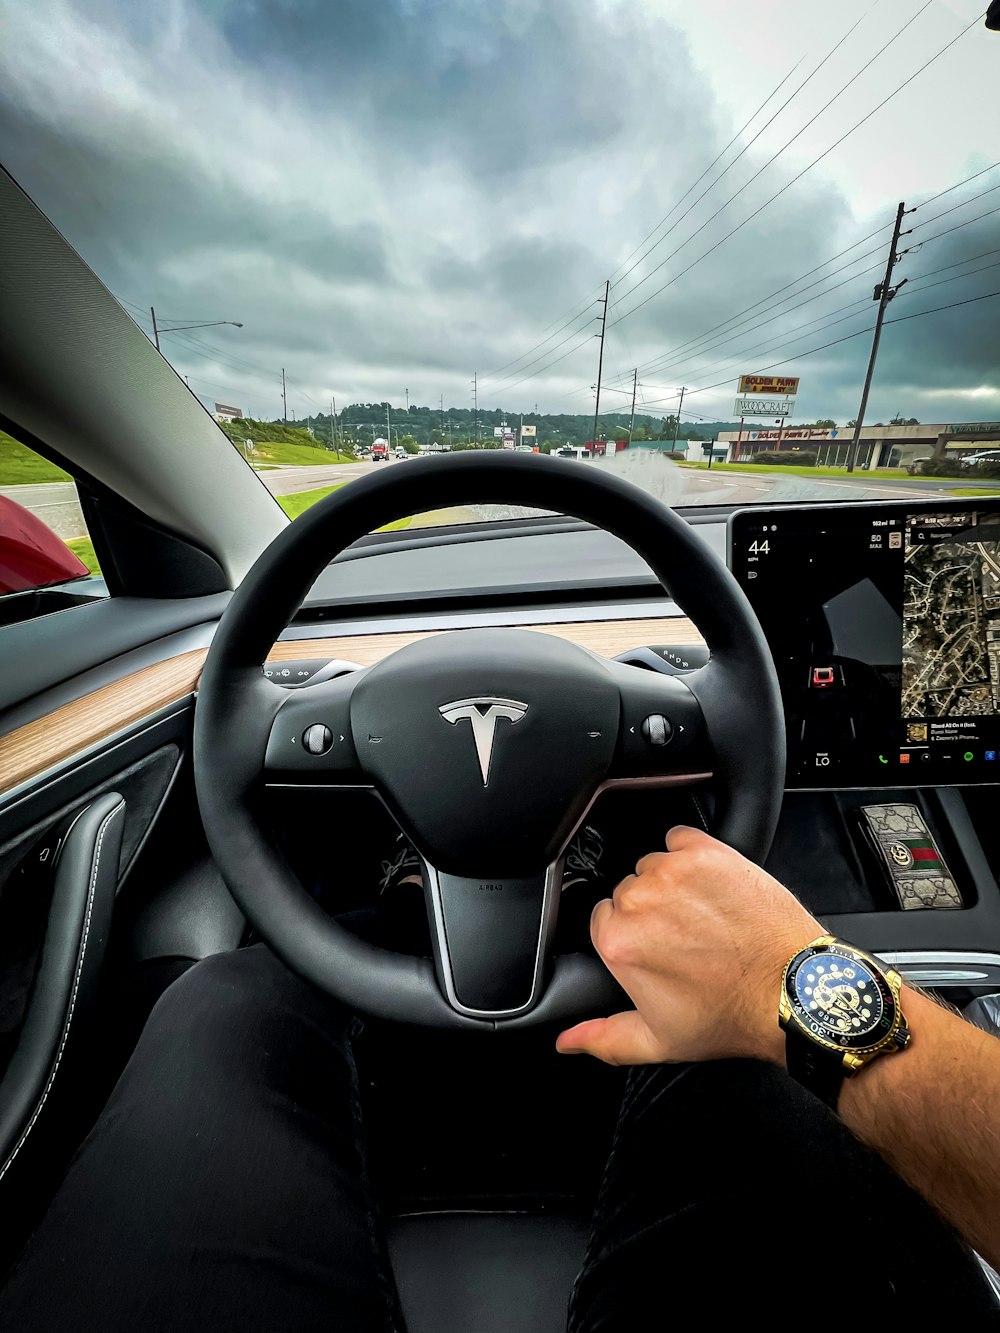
(791, 471)
(83, 549)
(293, 505)
(279, 454)
(23, 467)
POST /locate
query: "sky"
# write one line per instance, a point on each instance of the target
(395, 196)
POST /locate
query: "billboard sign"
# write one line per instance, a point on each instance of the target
(498, 432)
(763, 407)
(787, 384)
(526, 431)
(223, 412)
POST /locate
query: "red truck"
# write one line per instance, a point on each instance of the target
(380, 451)
(600, 448)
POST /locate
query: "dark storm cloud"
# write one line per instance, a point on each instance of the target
(399, 192)
(502, 88)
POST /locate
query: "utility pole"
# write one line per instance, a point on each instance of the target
(156, 331)
(407, 392)
(600, 360)
(475, 404)
(442, 415)
(388, 428)
(677, 418)
(635, 384)
(284, 398)
(883, 294)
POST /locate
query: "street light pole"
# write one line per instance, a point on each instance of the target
(635, 382)
(181, 328)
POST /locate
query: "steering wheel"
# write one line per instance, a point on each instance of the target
(488, 746)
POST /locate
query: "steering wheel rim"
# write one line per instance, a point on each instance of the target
(736, 697)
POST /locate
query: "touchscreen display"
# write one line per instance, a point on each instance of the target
(884, 624)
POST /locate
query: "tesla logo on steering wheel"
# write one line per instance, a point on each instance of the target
(483, 714)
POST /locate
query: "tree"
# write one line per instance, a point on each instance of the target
(409, 444)
(824, 423)
(852, 423)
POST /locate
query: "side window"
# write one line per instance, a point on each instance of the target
(43, 537)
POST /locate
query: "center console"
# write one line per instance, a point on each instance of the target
(884, 623)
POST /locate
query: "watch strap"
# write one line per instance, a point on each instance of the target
(819, 1070)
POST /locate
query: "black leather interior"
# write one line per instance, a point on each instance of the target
(486, 1272)
(737, 693)
(86, 877)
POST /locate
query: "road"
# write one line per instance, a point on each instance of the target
(291, 480)
(56, 503)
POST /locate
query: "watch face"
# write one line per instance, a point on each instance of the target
(840, 998)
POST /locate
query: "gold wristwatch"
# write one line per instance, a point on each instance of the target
(840, 1010)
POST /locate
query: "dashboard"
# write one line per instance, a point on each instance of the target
(884, 623)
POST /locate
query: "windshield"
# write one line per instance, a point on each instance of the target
(738, 255)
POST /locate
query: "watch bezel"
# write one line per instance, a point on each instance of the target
(864, 1044)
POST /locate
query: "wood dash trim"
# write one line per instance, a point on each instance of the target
(75, 726)
(66, 731)
(608, 637)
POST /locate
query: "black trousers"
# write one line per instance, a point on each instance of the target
(225, 1188)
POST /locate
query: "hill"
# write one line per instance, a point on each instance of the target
(277, 443)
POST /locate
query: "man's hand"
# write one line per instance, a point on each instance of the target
(698, 937)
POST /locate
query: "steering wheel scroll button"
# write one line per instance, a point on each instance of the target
(310, 739)
(657, 729)
(317, 739)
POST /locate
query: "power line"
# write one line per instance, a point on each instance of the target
(652, 365)
(659, 362)
(542, 369)
(846, 135)
(502, 383)
(941, 193)
(851, 306)
(712, 346)
(769, 346)
(957, 264)
(957, 227)
(965, 202)
(957, 278)
(725, 150)
(899, 319)
(773, 158)
(935, 309)
(590, 301)
(695, 184)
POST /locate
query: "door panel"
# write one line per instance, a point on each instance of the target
(79, 878)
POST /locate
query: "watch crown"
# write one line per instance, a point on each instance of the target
(900, 1039)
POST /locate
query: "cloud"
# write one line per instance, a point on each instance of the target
(397, 193)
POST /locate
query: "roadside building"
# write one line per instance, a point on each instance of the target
(878, 446)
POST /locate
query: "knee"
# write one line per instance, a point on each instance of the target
(223, 998)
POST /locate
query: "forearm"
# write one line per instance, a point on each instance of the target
(933, 1113)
